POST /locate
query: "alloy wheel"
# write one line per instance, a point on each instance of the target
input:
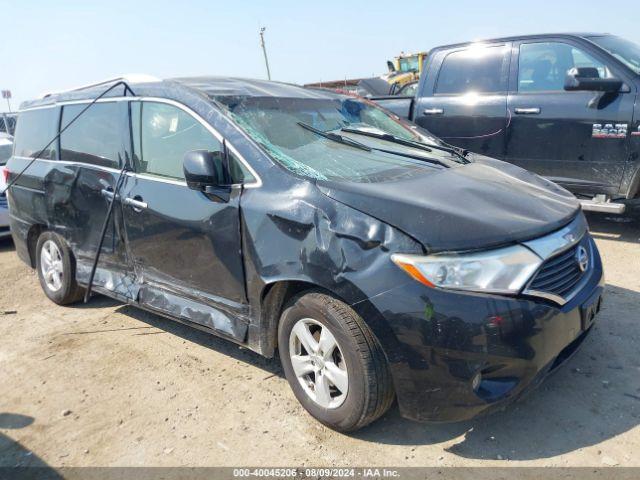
(51, 265)
(318, 363)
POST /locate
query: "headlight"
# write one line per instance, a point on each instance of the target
(504, 270)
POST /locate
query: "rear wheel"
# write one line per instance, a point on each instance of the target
(334, 364)
(56, 269)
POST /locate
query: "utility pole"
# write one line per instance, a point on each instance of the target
(7, 94)
(264, 50)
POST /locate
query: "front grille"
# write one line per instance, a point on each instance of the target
(3, 201)
(560, 274)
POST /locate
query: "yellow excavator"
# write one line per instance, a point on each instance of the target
(405, 68)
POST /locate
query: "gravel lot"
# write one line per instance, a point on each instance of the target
(105, 384)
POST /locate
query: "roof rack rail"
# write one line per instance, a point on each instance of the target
(129, 78)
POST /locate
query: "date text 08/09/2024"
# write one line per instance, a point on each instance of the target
(316, 472)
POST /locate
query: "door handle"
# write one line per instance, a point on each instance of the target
(527, 111)
(136, 203)
(107, 193)
(433, 111)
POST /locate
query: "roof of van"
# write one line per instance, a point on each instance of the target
(214, 87)
(211, 86)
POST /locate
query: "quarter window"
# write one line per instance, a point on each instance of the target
(95, 137)
(474, 70)
(543, 66)
(35, 129)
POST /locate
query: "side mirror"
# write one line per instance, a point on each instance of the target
(390, 66)
(588, 80)
(204, 171)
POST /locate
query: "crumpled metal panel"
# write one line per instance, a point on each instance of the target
(186, 309)
(482, 205)
(111, 278)
(291, 231)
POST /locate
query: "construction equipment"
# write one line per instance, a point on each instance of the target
(405, 68)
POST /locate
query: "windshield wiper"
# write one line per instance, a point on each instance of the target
(387, 136)
(408, 143)
(348, 141)
(335, 137)
(459, 151)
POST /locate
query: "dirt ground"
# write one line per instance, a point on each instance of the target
(105, 384)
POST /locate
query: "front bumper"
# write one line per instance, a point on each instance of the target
(437, 341)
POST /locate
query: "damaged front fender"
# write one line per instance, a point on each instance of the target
(298, 235)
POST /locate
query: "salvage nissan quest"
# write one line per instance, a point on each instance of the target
(378, 261)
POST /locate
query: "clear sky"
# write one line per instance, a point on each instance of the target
(49, 45)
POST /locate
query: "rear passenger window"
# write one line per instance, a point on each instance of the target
(35, 129)
(163, 133)
(474, 70)
(95, 137)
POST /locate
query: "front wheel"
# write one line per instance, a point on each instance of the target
(333, 363)
(56, 269)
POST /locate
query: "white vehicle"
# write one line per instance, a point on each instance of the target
(6, 149)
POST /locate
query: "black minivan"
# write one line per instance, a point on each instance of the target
(378, 261)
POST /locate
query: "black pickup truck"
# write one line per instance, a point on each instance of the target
(564, 106)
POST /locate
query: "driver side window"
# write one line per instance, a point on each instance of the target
(543, 66)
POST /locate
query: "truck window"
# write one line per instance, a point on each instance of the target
(543, 66)
(35, 129)
(473, 70)
(409, 90)
(624, 50)
(95, 137)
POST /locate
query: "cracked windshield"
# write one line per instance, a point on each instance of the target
(337, 139)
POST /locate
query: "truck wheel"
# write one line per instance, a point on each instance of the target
(334, 364)
(56, 269)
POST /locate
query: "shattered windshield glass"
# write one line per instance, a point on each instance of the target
(275, 123)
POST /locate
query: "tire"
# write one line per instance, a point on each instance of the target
(53, 255)
(369, 390)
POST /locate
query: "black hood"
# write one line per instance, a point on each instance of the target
(483, 204)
